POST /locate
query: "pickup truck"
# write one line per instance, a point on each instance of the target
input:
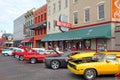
(103, 63)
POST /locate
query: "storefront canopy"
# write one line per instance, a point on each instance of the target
(102, 31)
(27, 40)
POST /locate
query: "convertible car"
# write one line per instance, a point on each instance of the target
(102, 63)
(62, 60)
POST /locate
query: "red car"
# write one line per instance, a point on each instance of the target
(34, 58)
(117, 75)
(26, 50)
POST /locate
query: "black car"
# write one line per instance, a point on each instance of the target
(57, 62)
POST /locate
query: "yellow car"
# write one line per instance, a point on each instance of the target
(82, 55)
(100, 64)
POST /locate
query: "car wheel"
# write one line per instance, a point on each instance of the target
(55, 64)
(21, 58)
(5, 54)
(90, 74)
(33, 60)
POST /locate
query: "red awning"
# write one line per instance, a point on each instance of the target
(27, 40)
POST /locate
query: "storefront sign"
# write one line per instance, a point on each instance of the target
(116, 10)
(63, 23)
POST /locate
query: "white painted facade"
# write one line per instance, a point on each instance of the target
(18, 33)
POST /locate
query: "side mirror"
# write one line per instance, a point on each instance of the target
(108, 61)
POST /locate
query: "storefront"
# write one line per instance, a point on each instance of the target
(28, 42)
(92, 38)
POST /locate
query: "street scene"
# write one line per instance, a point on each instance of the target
(12, 69)
(60, 40)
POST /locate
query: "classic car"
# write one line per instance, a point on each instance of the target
(9, 51)
(26, 50)
(34, 58)
(62, 60)
(117, 75)
(102, 63)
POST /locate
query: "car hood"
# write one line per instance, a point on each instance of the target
(82, 55)
(55, 57)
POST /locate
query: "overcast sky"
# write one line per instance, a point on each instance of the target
(11, 9)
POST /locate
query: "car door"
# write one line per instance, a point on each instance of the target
(110, 64)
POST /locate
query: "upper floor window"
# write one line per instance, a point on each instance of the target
(75, 1)
(54, 8)
(117, 28)
(75, 18)
(48, 25)
(66, 3)
(87, 15)
(49, 10)
(101, 13)
(59, 5)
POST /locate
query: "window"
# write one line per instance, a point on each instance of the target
(87, 15)
(75, 18)
(117, 27)
(66, 3)
(44, 16)
(75, 1)
(59, 4)
(49, 10)
(38, 18)
(111, 57)
(49, 25)
(54, 8)
(101, 11)
(54, 24)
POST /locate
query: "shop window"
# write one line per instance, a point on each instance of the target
(87, 44)
(101, 45)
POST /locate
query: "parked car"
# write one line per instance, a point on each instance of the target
(26, 50)
(117, 75)
(9, 51)
(101, 64)
(34, 58)
(62, 60)
(39, 50)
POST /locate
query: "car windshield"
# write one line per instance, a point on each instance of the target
(98, 57)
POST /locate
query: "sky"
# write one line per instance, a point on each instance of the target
(12, 9)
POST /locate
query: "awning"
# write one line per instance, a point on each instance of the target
(101, 31)
(27, 40)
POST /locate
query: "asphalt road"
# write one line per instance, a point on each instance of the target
(13, 69)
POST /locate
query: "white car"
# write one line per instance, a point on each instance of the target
(9, 51)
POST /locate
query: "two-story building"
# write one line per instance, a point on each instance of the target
(95, 25)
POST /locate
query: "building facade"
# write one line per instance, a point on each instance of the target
(18, 34)
(40, 26)
(58, 11)
(100, 13)
(29, 23)
(95, 26)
